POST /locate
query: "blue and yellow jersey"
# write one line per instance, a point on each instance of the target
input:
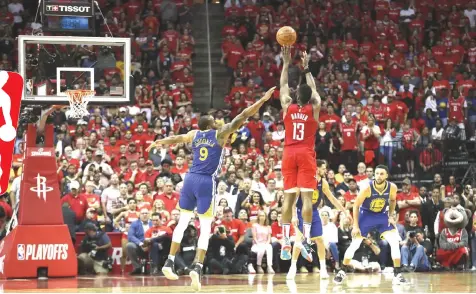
(316, 197)
(207, 153)
(376, 201)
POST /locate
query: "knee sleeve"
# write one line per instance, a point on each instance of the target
(393, 240)
(181, 226)
(349, 253)
(205, 229)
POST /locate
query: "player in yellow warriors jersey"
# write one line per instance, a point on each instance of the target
(373, 209)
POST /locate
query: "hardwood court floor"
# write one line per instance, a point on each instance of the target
(304, 283)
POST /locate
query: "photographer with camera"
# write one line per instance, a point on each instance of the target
(221, 250)
(94, 252)
(415, 252)
(366, 258)
(188, 248)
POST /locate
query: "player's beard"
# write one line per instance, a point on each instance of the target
(379, 182)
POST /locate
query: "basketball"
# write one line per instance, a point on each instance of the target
(286, 36)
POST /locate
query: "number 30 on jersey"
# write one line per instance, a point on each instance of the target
(298, 131)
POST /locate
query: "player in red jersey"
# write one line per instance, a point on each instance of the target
(299, 159)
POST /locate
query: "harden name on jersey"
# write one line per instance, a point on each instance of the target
(43, 252)
(299, 116)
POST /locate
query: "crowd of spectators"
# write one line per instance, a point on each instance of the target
(396, 80)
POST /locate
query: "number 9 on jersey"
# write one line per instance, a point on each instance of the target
(203, 153)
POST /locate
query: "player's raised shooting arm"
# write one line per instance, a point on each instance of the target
(284, 94)
(186, 138)
(392, 199)
(358, 202)
(238, 121)
(316, 98)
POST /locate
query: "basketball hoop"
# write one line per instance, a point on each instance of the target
(78, 101)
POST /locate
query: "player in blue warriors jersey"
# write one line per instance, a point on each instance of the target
(199, 185)
(316, 225)
(373, 209)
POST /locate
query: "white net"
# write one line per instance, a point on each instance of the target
(78, 101)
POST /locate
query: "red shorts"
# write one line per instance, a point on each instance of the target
(299, 168)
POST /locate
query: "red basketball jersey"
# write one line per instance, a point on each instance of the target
(456, 238)
(350, 137)
(456, 109)
(300, 127)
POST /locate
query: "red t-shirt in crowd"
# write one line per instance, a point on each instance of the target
(78, 204)
(155, 232)
(236, 227)
(170, 203)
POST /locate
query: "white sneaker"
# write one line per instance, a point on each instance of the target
(473, 268)
(270, 270)
(339, 278)
(304, 270)
(291, 273)
(251, 269)
(324, 274)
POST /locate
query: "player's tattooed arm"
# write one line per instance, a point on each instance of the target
(186, 138)
(333, 199)
(284, 94)
(238, 121)
(315, 98)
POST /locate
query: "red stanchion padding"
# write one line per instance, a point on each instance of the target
(40, 195)
(28, 248)
(40, 240)
(115, 252)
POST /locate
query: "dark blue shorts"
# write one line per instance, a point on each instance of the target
(369, 221)
(316, 225)
(198, 191)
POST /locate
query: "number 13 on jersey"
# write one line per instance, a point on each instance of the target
(298, 131)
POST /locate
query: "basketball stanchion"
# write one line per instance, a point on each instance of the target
(40, 242)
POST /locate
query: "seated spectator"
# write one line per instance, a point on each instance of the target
(277, 239)
(91, 217)
(415, 252)
(413, 219)
(331, 237)
(344, 234)
(129, 216)
(343, 187)
(158, 238)
(262, 242)
(136, 247)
